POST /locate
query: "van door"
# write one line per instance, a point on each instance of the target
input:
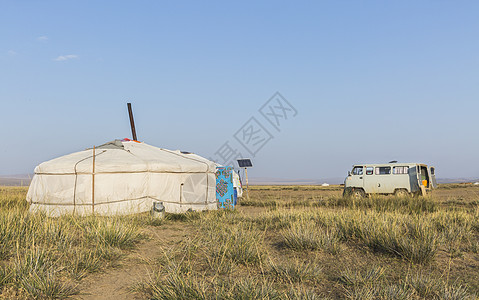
(424, 176)
(356, 178)
(432, 175)
(369, 183)
(384, 180)
(414, 179)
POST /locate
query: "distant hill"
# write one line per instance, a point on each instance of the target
(25, 179)
(16, 180)
(456, 180)
(333, 180)
(282, 181)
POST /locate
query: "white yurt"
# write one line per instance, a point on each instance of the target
(123, 177)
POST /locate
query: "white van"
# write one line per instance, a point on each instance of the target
(401, 179)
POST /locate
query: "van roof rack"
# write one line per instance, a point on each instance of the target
(393, 161)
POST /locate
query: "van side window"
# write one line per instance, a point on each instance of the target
(369, 170)
(400, 170)
(358, 171)
(383, 170)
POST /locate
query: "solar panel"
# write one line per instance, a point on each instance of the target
(245, 163)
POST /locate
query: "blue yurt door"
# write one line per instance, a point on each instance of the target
(224, 187)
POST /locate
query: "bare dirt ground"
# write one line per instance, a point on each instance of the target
(117, 282)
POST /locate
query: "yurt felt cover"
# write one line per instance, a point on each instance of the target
(128, 177)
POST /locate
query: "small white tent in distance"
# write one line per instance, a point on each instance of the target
(123, 177)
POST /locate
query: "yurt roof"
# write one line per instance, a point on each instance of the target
(123, 156)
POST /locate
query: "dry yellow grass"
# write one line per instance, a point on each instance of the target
(284, 243)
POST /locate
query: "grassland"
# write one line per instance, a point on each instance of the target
(289, 242)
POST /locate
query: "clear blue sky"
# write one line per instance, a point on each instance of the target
(372, 81)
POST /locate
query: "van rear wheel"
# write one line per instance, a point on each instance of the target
(401, 193)
(358, 194)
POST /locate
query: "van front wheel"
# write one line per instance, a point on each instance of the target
(347, 192)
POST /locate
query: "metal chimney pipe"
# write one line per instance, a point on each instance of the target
(132, 122)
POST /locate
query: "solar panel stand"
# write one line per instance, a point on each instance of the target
(245, 163)
(247, 186)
